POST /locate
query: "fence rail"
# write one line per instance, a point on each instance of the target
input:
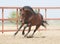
(3, 19)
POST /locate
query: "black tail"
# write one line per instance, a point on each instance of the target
(43, 23)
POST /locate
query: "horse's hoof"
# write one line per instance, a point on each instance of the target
(29, 36)
(23, 33)
(15, 34)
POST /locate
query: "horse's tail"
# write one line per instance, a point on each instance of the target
(43, 23)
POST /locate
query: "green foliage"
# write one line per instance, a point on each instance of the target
(14, 16)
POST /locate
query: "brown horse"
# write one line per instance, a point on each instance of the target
(29, 17)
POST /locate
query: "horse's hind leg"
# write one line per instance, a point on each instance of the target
(37, 26)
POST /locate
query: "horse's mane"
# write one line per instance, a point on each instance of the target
(29, 8)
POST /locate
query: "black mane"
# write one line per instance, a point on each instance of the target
(29, 8)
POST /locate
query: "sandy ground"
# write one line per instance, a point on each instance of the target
(40, 37)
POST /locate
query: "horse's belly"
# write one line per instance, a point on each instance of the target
(36, 21)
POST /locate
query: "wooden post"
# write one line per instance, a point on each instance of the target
(38, 10)
(17, 17)
(45, 13)
(2, 20)
(45, 16)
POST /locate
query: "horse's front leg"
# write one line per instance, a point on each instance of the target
(24, 29)
(18, 29)
(28, 30)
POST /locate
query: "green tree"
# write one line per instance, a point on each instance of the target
(14, 17)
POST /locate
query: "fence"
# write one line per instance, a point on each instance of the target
(17, 8)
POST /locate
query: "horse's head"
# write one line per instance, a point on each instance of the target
(22, 14)
(26, 12)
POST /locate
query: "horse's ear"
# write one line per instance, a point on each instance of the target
(21, 9)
